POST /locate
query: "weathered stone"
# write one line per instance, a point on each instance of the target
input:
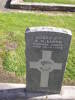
(18, 92)
(20, 4)
(46, 56)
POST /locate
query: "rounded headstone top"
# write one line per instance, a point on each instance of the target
(48, 29)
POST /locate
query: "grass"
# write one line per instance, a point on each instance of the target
(12, 29)
(53, 1)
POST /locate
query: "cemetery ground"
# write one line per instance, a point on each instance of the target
(53, 1)
(12, 41)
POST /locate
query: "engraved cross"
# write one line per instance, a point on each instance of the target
(45, 65)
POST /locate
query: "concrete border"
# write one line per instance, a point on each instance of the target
(20, 4)
(18, 92)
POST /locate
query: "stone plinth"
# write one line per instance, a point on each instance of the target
(18, 92)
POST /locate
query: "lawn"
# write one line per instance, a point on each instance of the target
(12, 29)
(53, 1)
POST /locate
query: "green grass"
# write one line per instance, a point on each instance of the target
(53, 1)
(12, 28)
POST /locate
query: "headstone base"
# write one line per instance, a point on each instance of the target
(18, 92)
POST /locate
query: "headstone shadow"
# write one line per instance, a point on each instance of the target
(7, 5)
(18, 94)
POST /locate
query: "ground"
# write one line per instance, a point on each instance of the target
(12, 41)
(53, 1)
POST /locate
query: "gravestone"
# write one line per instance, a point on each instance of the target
(46, 55)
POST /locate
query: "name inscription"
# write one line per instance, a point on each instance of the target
(48, 42)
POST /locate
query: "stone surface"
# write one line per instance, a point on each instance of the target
(10, 91)
(46, 56)
(20, 4)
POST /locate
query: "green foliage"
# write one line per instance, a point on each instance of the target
(13, 62)
(53, 1)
